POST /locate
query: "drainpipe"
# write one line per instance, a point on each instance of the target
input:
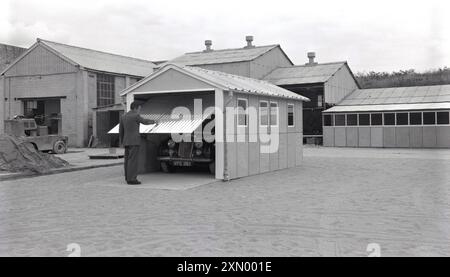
(226, 176)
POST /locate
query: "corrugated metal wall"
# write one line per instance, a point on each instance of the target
(266, 63)
(339, 85)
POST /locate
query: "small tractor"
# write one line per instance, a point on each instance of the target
(29, 131)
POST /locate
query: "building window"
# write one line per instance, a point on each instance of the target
(442, 118)
(319, 100)
(429, 118)
(29, 107)
(364, 120)
(376, 119)
(105, 90)
(389, 119)
(242, 112)
(339, 120)
(415, 118)
(273, 114)
(352, 119)
(290, 115)
(402, 118)
(328, 120)
(263, 113)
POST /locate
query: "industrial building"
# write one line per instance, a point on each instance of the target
(278, 112)
(324, 84)
(411, 117)
(73, 91)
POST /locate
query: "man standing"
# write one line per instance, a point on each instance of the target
(130, 138)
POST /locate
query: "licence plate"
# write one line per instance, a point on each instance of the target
(182, 163)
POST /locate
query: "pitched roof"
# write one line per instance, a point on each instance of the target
(304, 74)
(400, 98)
(225, 81)
(223, 55)
(101, 61)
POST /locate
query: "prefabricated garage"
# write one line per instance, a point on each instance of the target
(265, 134)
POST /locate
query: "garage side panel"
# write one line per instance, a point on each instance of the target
(429, 136)
(402, 136)
(376, 137)
(416, 137)
(389, 137)
(443, 136)
(328, 136)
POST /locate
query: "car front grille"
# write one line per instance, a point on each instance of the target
(185, 149)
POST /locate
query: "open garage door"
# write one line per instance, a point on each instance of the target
(167, 124)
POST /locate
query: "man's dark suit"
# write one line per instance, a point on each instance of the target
(130, 138)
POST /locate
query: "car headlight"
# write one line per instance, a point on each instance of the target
(198, 152)
(171, 144)
(198, 145)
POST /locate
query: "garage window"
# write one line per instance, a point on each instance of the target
(242, 112)
(389, 119)
(273, 114)
(352, 120)
(442, 118)
(263, 113)
(402, 118)
(339, 119)
(376, 119)
(429, 118)
(290, 109)
(328, 120)
(364, 120)
(415, 118)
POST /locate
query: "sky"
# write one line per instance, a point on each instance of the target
(382, 35)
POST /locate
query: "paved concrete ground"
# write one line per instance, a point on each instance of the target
(334, 205)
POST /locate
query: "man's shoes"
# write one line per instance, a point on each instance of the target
(135, 182)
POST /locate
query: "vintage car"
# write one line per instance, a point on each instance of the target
(185, 154)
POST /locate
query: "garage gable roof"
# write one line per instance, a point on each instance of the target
(224, 81)
(304, 74)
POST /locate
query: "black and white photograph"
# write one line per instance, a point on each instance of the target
(236, 131)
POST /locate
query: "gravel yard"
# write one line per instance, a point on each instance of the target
(337, 203)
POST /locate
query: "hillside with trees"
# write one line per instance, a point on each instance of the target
(403, 78)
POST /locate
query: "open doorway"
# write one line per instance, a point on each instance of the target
(46, 113)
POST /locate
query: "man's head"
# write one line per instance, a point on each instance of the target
(136, 106)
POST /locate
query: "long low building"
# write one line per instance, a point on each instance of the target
(411, 117)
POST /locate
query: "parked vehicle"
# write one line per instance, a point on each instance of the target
(186, 154)
(29, 131)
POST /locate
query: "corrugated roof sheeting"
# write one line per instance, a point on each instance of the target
(390, 107)
(400, 95)
(102, 61)
(304, 74)
(243, 84)
(222, 56)
(168, 125)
